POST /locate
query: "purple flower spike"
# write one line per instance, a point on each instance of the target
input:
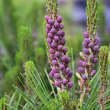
(59, 19)
(58, 60)
(70, 84)
(86, 35)
(84, 77)
(89, 55)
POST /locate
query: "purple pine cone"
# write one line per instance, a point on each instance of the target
(46, 18)
(48, 26)
(84, 77)
(57, 54)
(85, 44)
(86, 51)
(53, 45)
(87, 40)
(65, 81)
(61, 33)
(81, 69)
(57, 76)
(50, 21)
(93, 72)
(95, 60)
(70, 84)
(62, 67)
(67, 60)
(58, 83)
(60, 47)
(52, 51)
(61, 26)
(59, 19)
(53, 31)
(47, 30)
(82, 63)
(91, 57)
(63, 41)
(49, 40)
(56, 25)
(52, 56)
(65, 50)
(86, 35)
(91, 45)
(56, 38)
(54, 70)
(50, 35)
(64, 58)
(70, 74)
(51, 74)
(54, 62)
(96, 48)
(67, 70)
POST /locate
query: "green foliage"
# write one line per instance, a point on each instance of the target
(103, 57)
(38, 96)
(2, 103)
(40, 56)
(91, 16)
(25, 43)
(101, 18)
